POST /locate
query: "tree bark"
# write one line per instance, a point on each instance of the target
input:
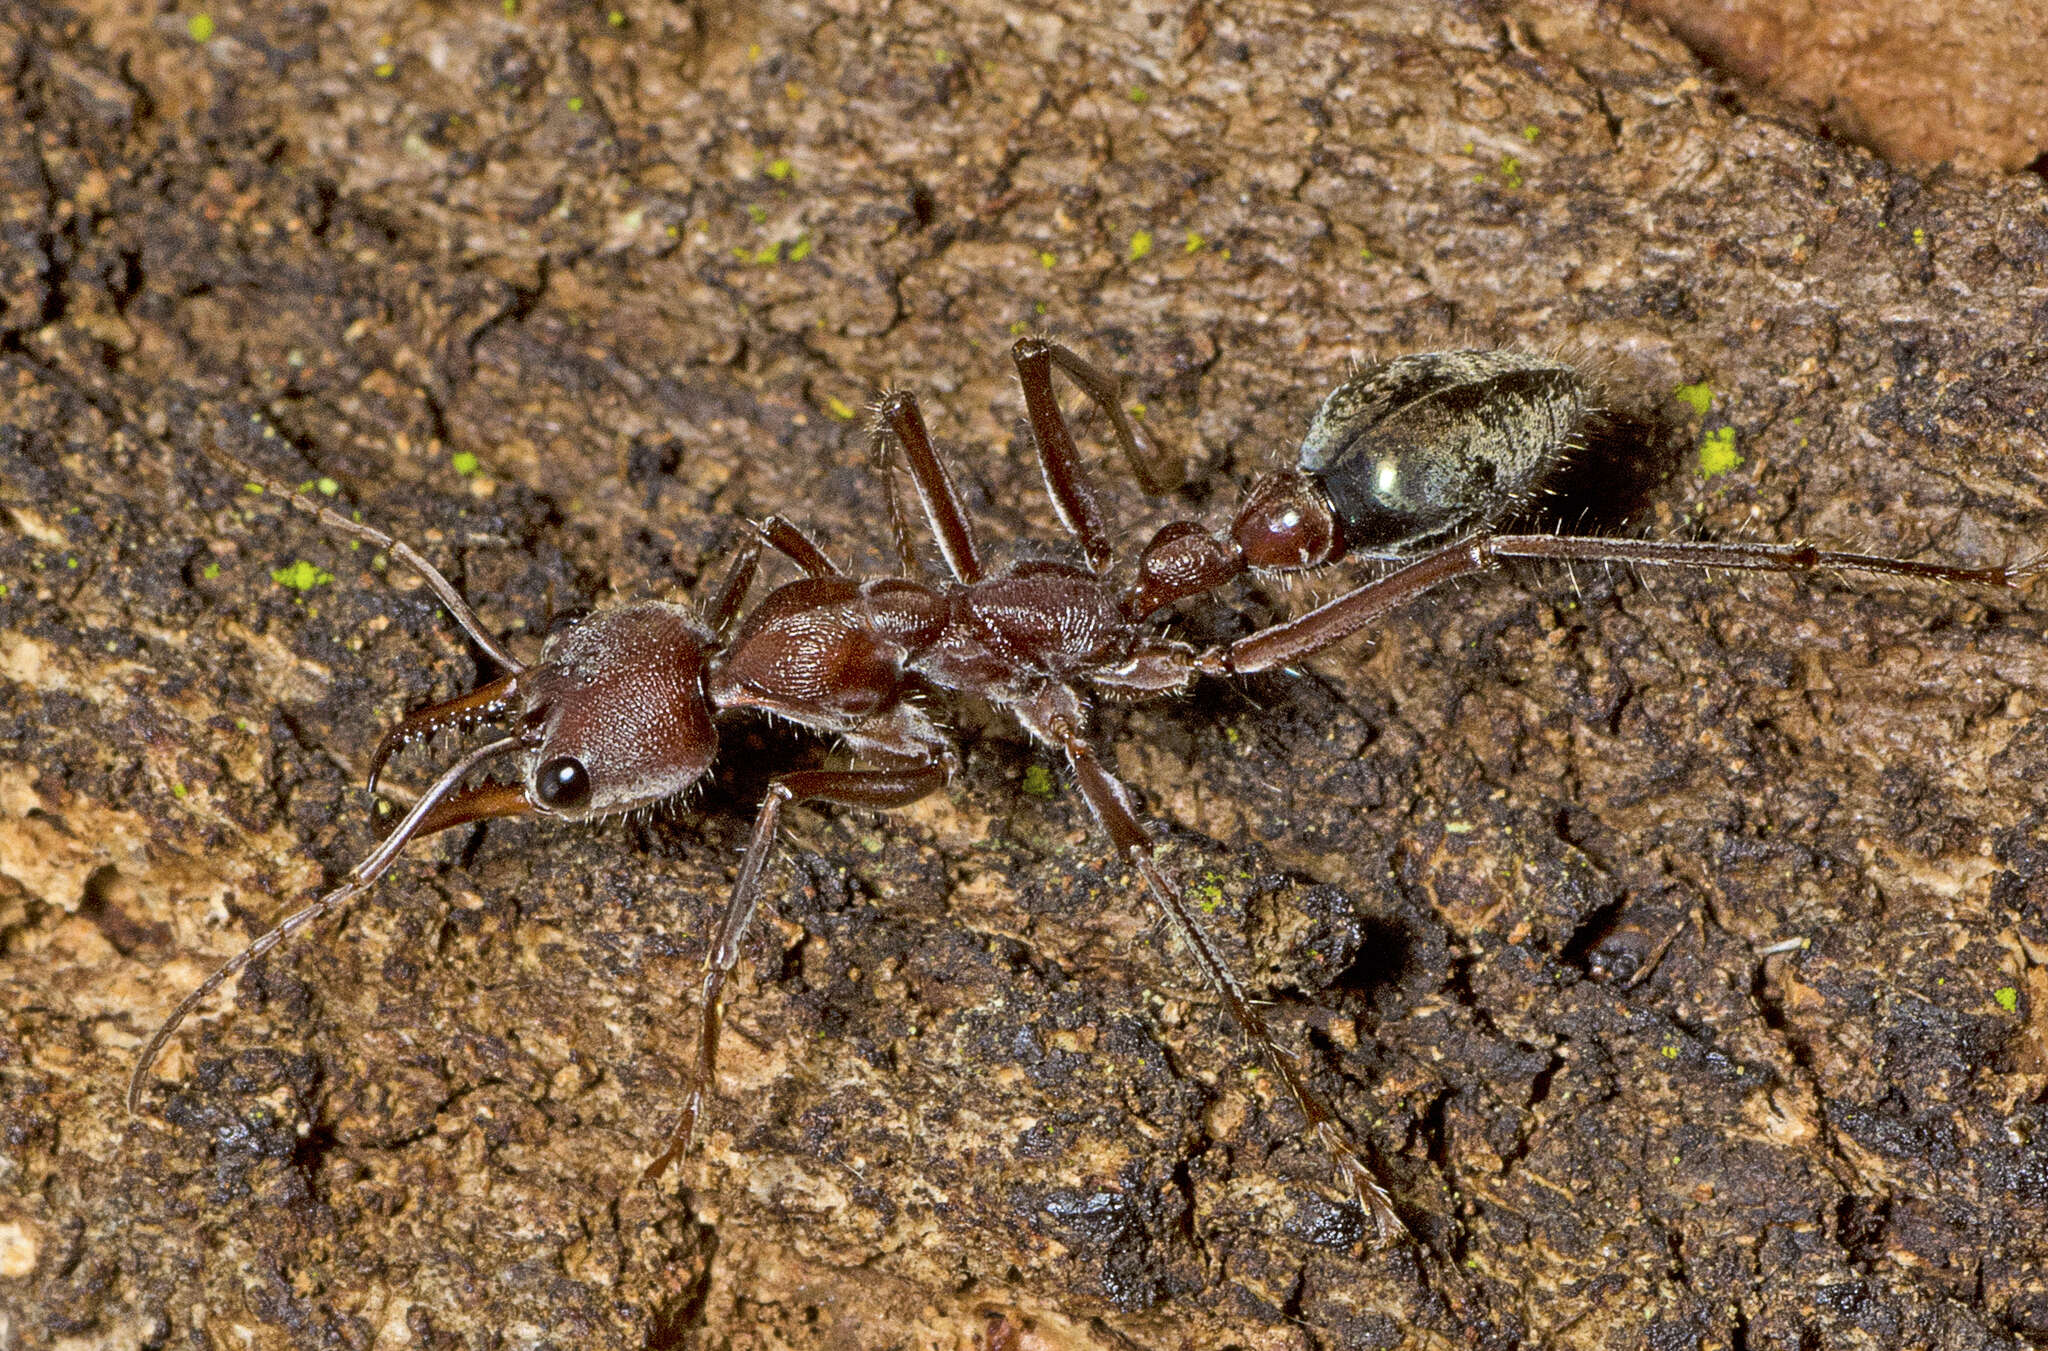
(1672, 942)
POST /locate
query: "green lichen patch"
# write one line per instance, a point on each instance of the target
(301, 576)
(1699, 397)
(1717, 452)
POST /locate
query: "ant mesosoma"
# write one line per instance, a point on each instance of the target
(1420, 459)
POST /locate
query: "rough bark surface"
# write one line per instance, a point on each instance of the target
(1922, 82)
(1673, 942)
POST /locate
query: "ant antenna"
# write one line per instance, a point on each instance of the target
(359, 879)
(457, 607)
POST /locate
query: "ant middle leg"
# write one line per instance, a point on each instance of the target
(1054, 717)
(876, 789)
(1157, 472)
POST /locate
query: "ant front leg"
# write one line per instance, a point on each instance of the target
(1054, 716)
(876, 789)
(779, 535)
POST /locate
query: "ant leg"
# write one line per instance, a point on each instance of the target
(1060, 462)
(1347, 614)
(897, 417)
(792, 543)
(876, 789)
(445, 590)
(1110, 803)
(778, 534)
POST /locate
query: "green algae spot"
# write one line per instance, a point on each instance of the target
(801, 249)
(178, 791)
(384, 70)
(779, 170)
(1919, 236)
(1511, 171)
(1717, 452)
(1668, 1052)
(253, 488)
(1194, 243)
(2008, 998)
(757, 213)
(1141, 244)
(1048, 261)
(1531, 132)
(1699, 397)
(210, 571)
(617, 18)
(301, 576)
(1038, 781)
(1139, 95)
(768, 255)
(1018, 328)
(464, 463)
(326, 487)
(575, 103)
(840, 409)
(200, 26)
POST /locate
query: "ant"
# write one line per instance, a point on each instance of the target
(1420, 460)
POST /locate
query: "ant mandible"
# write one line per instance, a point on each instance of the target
(1420, 459)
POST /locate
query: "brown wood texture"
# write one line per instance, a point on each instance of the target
(557, 292)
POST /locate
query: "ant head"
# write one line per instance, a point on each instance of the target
(1286, 522)
(614, 713)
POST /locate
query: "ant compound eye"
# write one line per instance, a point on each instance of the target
(562, 783)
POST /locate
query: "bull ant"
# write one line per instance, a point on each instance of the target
(1419, 460)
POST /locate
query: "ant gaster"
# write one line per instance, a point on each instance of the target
(1420, 459)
